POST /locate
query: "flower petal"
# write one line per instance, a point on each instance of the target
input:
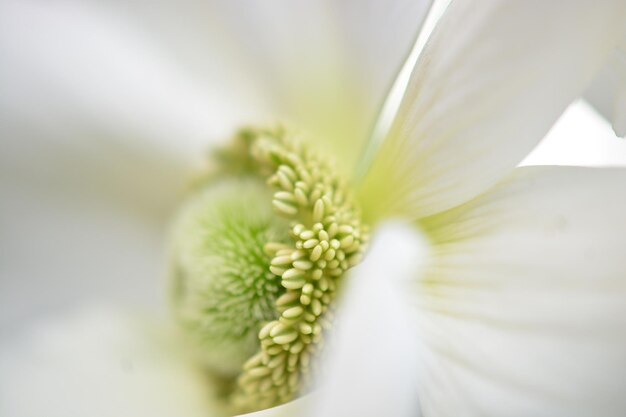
(73, 65)
(324, 65)
(487, 87)
(98, 129)
(371, 362)
(523, 306)
(608, 91)
(100, 363)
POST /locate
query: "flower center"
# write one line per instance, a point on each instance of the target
(325, 238)
(222, 288)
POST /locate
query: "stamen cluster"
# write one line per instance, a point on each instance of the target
(328, 239)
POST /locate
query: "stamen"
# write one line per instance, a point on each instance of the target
(328, 238)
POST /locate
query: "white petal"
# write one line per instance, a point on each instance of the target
(487, 87)
(608, 91)
(371, 362)
(97, 127)
(325, 65)
(82, 65)
(99, 363)
(82, 221)
(523, 308)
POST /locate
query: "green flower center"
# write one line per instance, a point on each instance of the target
(223, 290)
(298, 272)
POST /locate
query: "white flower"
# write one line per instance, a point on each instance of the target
(517, 304)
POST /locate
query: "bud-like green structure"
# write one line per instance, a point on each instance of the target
(223, 289)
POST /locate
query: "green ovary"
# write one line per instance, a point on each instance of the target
(223, 290)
